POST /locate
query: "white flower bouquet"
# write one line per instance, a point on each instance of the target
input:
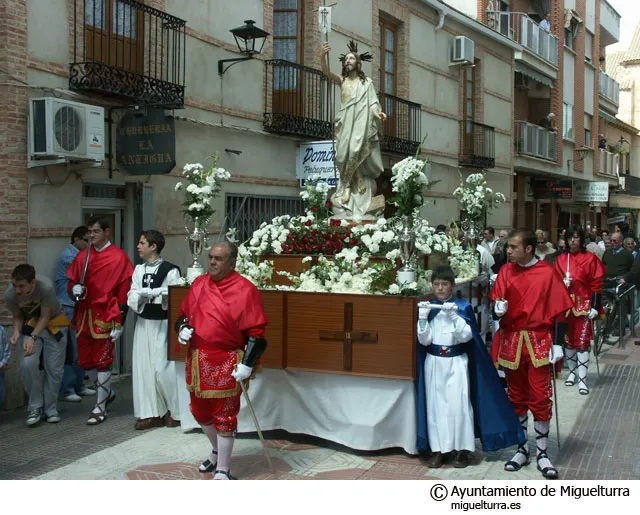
(408, 183)
(202, 187)
(476, 198)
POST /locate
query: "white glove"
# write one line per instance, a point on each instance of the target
(555, 354)
(423, 310)
(157, 292)
(241, 372)
(116, 333)
(185, 335)
(450, 309)
(592, 314)
(146, 293)
(77, 290)
(567, 282)
(501, 307)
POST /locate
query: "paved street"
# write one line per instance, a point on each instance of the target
(599, 440)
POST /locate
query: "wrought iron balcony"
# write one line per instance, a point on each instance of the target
(609, 88)
(401, 130)
(477, 145)
(298, 100)
(533, 140)
(128, 49)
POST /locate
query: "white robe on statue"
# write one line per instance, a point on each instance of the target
(154, 376)
(449, 410)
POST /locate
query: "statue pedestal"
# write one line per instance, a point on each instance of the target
(194, 272)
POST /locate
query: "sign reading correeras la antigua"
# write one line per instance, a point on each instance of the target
(146, 143)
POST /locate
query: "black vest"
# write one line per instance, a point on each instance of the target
(155, 280)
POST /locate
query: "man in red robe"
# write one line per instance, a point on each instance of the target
(529, 295)
(100, 309)
(221, 312)
(582, 273)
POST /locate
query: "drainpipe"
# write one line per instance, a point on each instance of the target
(441, 14)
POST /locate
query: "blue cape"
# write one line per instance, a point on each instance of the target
(495, 420)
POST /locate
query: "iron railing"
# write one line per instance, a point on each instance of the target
(609, 88)
(401, 130)
(298, 100)
(247, 212)
(536, 141)
(477, 145)
(128, 49)
(522, 29)
(608, 163)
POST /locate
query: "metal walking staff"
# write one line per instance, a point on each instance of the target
(255, 422)
(555, 400)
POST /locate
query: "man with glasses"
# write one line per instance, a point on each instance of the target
(99, 278)
(617, 260)
(73, 386)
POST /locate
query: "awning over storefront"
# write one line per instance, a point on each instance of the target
(532, 74)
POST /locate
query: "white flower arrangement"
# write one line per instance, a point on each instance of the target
(476, 198)
(203, 186)
(464, 262)
(408, 183)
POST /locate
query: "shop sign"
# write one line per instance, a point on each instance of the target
(545, 189)
(590, 191)
(316, 158)
(146, 143)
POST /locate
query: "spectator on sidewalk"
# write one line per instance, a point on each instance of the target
(72, 386)
(617, 260)
(5, 354)
(40, 331)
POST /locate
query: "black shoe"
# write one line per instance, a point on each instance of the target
(461, 460)
(436, 460)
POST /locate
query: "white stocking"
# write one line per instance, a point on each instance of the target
(583, 368)
(521, 456)
(570, 355)
(542, 443)
(103, 383)
(212, 435)
(225, 448)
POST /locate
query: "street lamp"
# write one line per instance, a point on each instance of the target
(580, 154)
(250, 40)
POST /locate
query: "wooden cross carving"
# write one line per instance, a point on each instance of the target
(349, 336)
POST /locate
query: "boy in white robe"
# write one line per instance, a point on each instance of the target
(443, 332)
(155, 392)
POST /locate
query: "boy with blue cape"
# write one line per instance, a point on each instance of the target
(459, 392)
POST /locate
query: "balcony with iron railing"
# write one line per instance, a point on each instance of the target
(609, 90)
(128, 49)
(540, 48)
(608, 163)
(477, 145)
(299, 101)
(609, 24)
(401, 133)
(535, 141)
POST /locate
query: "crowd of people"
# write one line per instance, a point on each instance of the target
(543, 301)
(65, 331)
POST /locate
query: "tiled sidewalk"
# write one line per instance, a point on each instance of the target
(598, 437)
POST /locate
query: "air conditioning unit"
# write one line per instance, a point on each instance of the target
(462, 51)
(61, 129)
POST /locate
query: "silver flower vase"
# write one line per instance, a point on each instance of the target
(405, 228)
(197, 240)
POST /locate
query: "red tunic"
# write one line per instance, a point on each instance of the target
(536, 295)
(586, 272)
(107, 282)
(223, 314)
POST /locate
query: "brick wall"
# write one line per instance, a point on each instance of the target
(13, 141)
(595, 121)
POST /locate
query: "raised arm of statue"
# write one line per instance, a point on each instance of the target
(324, 64)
